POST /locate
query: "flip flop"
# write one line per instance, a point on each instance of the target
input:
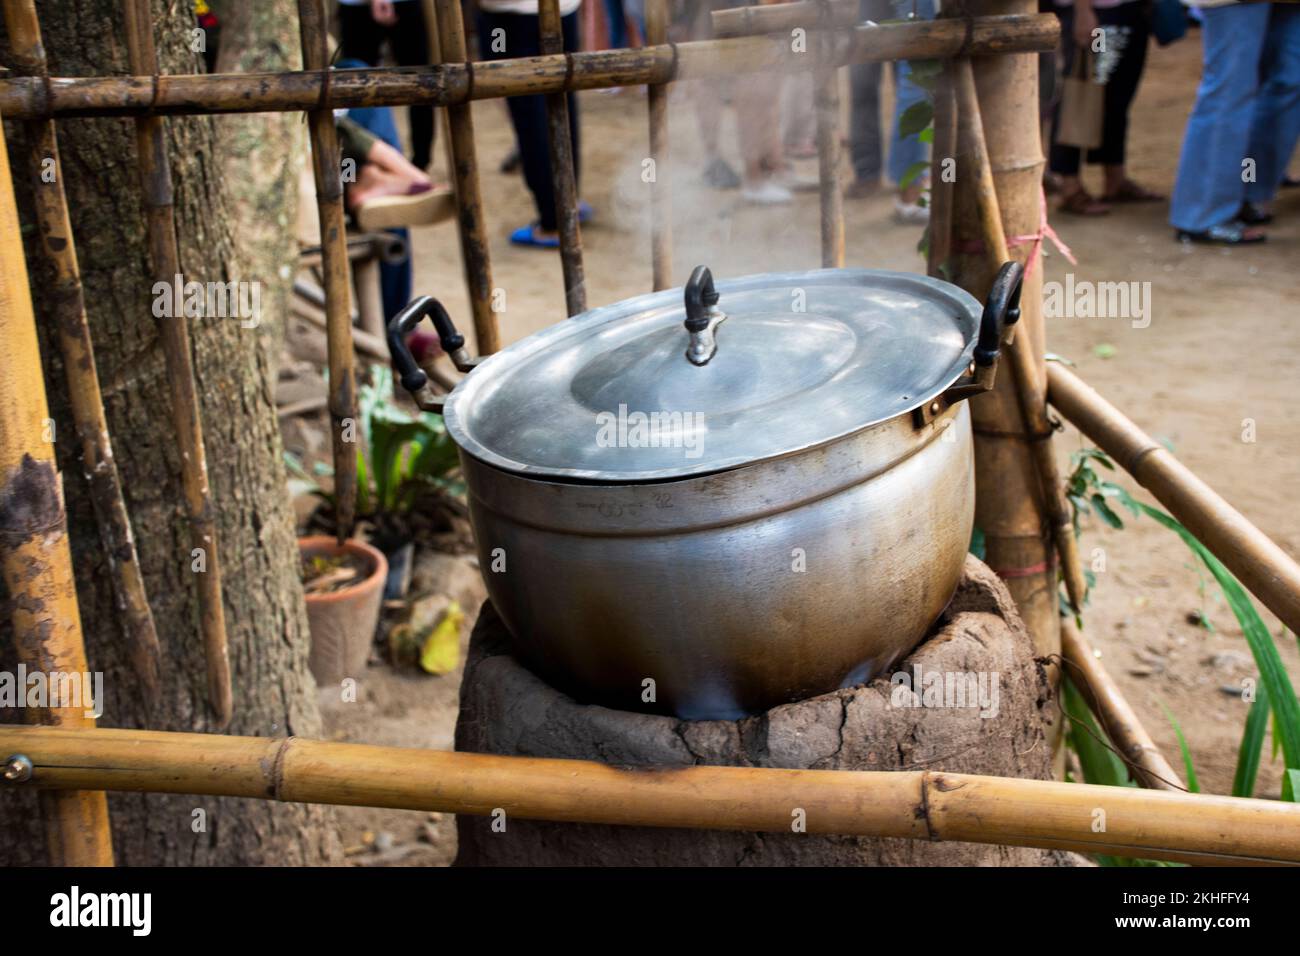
(1082, 203)
(428, 205)
(1225, 234)
(1130, 191)
(527, 236)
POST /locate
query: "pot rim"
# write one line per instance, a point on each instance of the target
(324, 543)
(456, 420)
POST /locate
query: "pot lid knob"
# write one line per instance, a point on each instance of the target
(702, 316)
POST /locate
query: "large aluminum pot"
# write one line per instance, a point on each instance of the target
(805, 547)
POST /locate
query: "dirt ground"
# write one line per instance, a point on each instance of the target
(1222, 347)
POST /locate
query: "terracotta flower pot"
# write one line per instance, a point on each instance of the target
(343, 622)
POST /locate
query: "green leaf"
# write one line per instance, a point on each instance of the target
(1291, 786)
(927, 135)
(1099, 505)
(1285, 706)
(912, 172)
(915, 118)
(1104, 350)
(1192, 783)
(1252, 742)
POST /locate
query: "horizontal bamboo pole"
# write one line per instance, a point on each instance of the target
(1265, 569)
(1114, 713)
(449, 84)
(918, 805)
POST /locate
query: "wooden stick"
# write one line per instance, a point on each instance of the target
(469, 198)
(34, 538)
(941, 185)
(1030, 392)
(450, 83)
(1116, 717)
(918, 805)
(164, 254)
(782, 18)
(1265, 569)
(564, 183)
(69, 307)
(661, 196)
(827, 105)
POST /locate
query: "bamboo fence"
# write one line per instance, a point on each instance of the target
(916, 805)
(921, 805)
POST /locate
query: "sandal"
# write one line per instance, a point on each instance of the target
(1130, 191)
(1082, 203)
(422, 206)
(1234, 233)
(528, 236)
(1253, 214)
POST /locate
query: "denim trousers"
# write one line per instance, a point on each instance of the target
(1246, 121)
(865, 140)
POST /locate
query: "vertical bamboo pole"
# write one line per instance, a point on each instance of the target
(941, 187)
(327, 170)
(827, 105)
(1007, 506)
(661, 197)
(35, 557)
(1031, 394)
(563, 176)
(73, 331)
(469, 199)
(156, 190)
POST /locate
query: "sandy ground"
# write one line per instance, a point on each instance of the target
(1222, 347)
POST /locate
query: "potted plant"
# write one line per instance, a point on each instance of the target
(343, 585)
(407, 472)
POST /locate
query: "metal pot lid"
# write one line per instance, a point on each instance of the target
(801, 359)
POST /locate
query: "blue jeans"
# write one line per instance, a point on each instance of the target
(395, 278)
(864, 80)
(1247, 107)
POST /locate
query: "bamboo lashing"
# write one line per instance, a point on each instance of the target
(34, 538)
(1030, 392)
(455, 82)
(327, 170)
(564, 183)
(919, 805)
(454, 56)
(173, 331)
(69, 310)
(1114, 713)
(661, 196)
(1261, 565)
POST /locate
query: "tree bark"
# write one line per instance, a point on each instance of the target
(217, 168)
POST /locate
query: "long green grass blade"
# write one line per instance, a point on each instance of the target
(1252, 743)
(1189, 768)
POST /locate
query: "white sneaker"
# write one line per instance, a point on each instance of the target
(910, 213)
(766, 193)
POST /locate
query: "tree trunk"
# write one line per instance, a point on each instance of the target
(235, 369)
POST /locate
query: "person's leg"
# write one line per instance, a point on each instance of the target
(865, 142)
(527, 113)
(410, 41)
(1276, 122)
(1065, 160)
(359, 34)
(1128, 31)
(1209, 189)
(617, 24)
(905, 151)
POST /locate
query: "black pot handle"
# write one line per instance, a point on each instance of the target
(1001, 309)
(414, 379)
(702, 316)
